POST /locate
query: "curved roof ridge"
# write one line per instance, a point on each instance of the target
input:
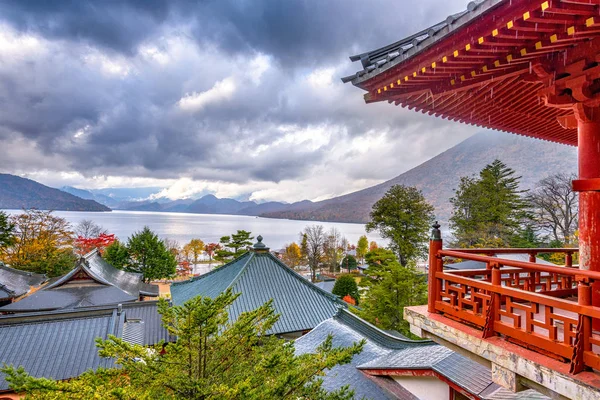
(242, 270)
(20, 271)
(307, 282)
(214, 271)
(376, 334)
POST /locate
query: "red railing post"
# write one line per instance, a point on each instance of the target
(494, 303)
(435, 265)
(583, 334)
(569, 259)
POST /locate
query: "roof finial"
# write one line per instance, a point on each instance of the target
(260, 246)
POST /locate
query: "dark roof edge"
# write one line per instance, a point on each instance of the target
(456, 25)
(55, 315)
(374, 333)
(215, 270)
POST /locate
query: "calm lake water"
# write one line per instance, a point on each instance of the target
(210, 228)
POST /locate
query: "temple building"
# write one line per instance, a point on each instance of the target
(260, 276)
(530, 68)
(93, 282)
(394, 367)
(15, 283)
(61, 344)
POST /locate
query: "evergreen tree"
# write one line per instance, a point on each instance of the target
(212, 359)
(117, 255)
(234, 246)
(7, 229)
(490, 208)
(149, 255)
(389, 288)
(349, 263)
(345, 285)
(404, 217)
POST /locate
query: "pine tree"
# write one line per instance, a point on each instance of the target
(404, 217)
(149, 255)
(490, 208)
(212, 359)
(389, 287)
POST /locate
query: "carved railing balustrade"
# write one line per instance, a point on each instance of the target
(544, 308)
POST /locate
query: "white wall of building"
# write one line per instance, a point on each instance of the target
(425, 387)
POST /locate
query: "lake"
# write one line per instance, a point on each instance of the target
(210, 228)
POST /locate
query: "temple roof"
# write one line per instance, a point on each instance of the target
(383, 351)
(67, 346)
(93, 282)
(16, 283)
(491, 65)
(259, 276)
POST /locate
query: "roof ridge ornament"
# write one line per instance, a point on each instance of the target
(259, 246)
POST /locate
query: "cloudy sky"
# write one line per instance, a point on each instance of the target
(237, 98)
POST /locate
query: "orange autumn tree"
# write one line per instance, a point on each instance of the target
(43, 243)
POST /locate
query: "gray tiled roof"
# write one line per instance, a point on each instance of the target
(100, 270)
(376, 61)
(69, 297)
(348, 374)
(466, 373)
(15, 283)
(61, 344)
(384, 351)
(326, 285)
(111, 286)
(260, 277)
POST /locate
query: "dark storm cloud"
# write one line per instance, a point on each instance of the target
(295, 32)
(91, 93)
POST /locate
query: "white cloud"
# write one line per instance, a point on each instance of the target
(222, 90)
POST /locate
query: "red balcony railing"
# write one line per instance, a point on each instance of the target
(542, 307)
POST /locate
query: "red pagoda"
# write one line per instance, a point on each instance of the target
(530, 68)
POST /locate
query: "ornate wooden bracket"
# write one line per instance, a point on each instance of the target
(488, 328)
(577, 364)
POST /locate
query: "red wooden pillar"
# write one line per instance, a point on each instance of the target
(433, 288)
(588, 186)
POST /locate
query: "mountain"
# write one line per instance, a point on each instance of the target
(209, 204)
(17, 193)
(90, 195)
(437, 178)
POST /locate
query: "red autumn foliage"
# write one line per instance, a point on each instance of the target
(348, 299)
(211, 248)
(85, 245)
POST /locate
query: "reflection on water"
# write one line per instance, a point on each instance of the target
(210, 228)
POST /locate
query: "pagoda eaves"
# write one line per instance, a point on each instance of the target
(498, 65)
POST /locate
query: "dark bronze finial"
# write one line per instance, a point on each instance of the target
(436, 234)
(260, 245)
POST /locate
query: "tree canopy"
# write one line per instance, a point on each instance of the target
(213, 358)
(389, 287)
(489, 209)
(39, 242)
(349, 263)
(7, 228)
(292, 256)
(313, 238)
(404, 217)
(345, 285)
(556, 208)
(149, 256)
(234, 245)
(193, 250)
(362, 247)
